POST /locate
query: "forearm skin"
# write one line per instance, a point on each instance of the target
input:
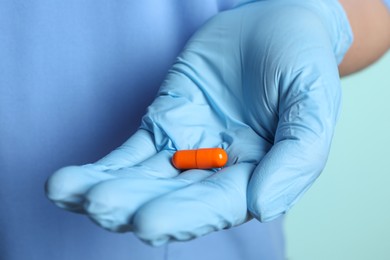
(370, 22)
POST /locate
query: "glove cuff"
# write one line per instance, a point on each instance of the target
(337, 22)
(387, 4)
(334, 18)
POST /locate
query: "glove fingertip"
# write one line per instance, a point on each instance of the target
(61, 183)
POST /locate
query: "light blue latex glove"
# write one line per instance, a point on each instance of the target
(260, 81)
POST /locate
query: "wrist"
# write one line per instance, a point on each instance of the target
(337, 24)
(332, 15)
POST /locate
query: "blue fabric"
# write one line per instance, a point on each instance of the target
(387, 3)
(75, 79)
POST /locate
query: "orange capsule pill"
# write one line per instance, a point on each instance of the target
(204, 158)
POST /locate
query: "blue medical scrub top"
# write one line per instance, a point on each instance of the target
(75, 80)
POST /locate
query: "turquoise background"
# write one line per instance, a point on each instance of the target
(346, 214)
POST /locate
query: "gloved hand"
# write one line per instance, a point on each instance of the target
(260, 81)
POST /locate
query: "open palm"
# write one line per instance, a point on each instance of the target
(267, 92)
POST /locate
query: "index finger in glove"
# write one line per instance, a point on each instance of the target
(67, 186)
